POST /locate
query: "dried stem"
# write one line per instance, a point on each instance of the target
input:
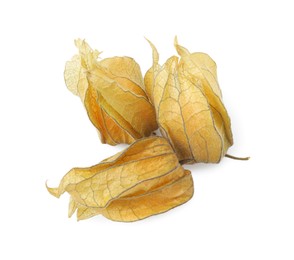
(237, 158)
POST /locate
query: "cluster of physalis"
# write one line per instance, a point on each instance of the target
(182, 98)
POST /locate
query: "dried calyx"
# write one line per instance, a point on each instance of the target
(112, 91)
(189, 108)
(144, 180)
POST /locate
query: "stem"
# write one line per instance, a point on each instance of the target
(237, 158)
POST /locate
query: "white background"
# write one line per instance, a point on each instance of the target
(240, 210)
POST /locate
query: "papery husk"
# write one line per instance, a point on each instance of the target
(112, 91)
(144, 180)
(189, 107)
